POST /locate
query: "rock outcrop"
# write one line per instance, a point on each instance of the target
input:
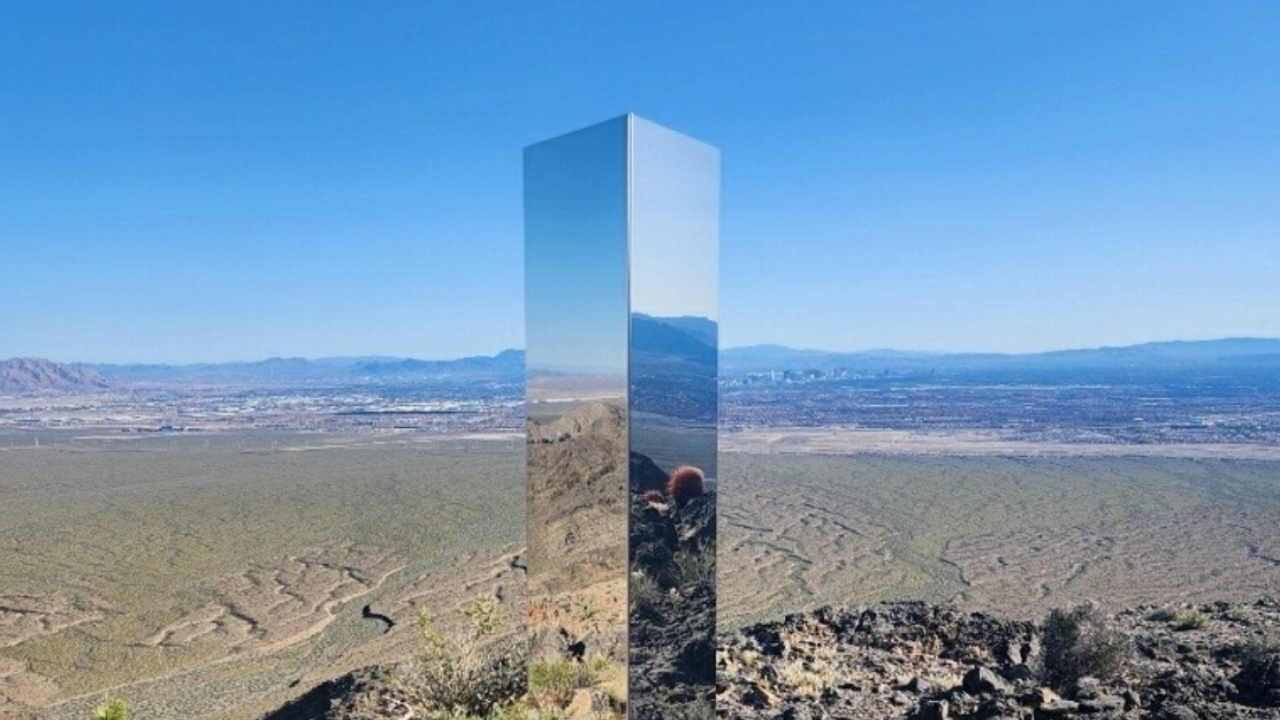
(912, 661)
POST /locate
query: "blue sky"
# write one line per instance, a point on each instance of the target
(237, 180)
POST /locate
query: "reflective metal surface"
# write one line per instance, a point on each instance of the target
(675, 187)
(576, 353)
(621, 224)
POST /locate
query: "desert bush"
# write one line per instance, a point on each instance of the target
(646, 594)
(1259, 660)
(460, 676)
(685, 484)
(689, 710)
(1257, 649)
(696, 567)
(555, 682)
(112, 709)
(1237, 614)
(808, 679)
(1081, 642)
(521, 711)
(1189, 620)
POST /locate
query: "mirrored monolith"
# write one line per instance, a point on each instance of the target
(621, 243)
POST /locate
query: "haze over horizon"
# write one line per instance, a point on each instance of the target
(383, 357)
(188, 184)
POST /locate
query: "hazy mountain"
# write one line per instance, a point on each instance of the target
(33, 375)
(1226, 353)
(505, 366)
(673, 367)
(507, 362)
(671, 347)
(674, 338)
(696, 326)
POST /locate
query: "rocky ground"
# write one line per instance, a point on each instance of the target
(915, 661)
(927, 662)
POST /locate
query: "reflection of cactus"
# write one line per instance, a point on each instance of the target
(655, 496)
(685, 484)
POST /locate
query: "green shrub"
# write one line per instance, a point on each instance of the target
(697, 709)
(461, 676)
(1189, 620)
(646, 595)
(555, 682)
(112, 709)
(696, 567)
(1081, 642)
(1255, 650)
(1258, 658)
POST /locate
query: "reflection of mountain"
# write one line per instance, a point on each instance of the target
(673, 367)
(577, 533)
(698, 327)
(577, 477)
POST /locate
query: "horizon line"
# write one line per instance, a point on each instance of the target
(378, 357)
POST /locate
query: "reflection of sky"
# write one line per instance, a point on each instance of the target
(575, 251)
(675, 223)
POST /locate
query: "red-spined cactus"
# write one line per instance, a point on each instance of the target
(655, 496)
(685, 484)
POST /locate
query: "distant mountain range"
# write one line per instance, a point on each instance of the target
(680, 340)
(31, 375)
(1225, 353)
(508, 365)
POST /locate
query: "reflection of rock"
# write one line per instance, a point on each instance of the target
(577, 534)
(646, 475)
(602, 419)
(579, 623)
(673, 606)
(576, 493)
